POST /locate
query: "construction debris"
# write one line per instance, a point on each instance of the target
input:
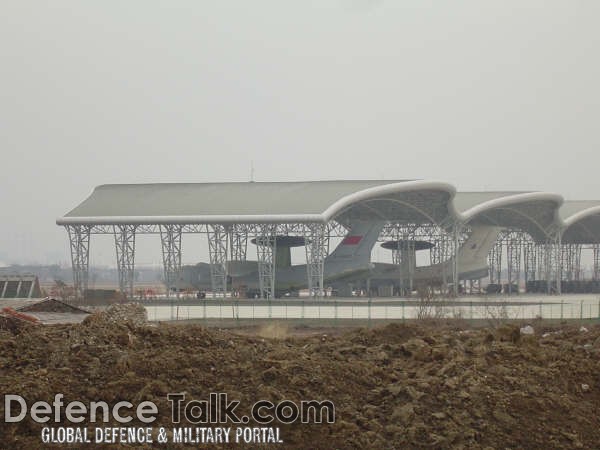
(132, 313)
(527, 329)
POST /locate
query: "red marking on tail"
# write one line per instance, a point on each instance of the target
(351, 240)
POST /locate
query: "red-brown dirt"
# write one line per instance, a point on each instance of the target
(400, 386)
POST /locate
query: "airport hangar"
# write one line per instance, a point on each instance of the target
(542, 234)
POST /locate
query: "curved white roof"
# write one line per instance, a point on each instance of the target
(533, 212)
(309, 201)
(581, 220)
(538, 213)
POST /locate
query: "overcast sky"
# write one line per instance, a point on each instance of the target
(481, 94)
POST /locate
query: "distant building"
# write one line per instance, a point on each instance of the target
(20, 286)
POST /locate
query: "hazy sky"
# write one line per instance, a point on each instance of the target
(481, 94)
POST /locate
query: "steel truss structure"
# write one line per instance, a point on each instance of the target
(223, 241)
(596, 265)
(445, 244)
(316, 245)
(238, 242)
(217, 249)
(514, 244)
(571, 262)
(268, 210)
(79, 240)
(266, 243)
(170, 236)
(530, 260)
(548, 260)
(125, 250)
(404, 258)
(552, 265)
(495, 262)
(541, 261)
(445, 237)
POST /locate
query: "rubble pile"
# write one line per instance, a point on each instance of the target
(131, 313)
(413, 386)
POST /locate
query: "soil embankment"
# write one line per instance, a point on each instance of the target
(413, 386)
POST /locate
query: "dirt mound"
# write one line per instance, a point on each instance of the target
(273, 330)
(132, 313)
(394, 387)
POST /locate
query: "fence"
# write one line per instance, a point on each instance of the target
(505, 309)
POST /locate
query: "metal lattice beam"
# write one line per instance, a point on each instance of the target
(495, 262)
(79, 240)
(552, 264)
(444, 248)
(266, 250)
(238, 242)
(316, 246)
(596, 262)
(514, 241)
(336, 229)
(456, 233)
(577, 271)
(439, 251)
(530, 260)
(125, 250)
(170, 237)
(217, 247)
(404, 256)
(571, 261)
(541, 261)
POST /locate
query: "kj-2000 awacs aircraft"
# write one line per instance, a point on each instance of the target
(350, 266)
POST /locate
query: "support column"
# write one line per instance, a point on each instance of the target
(238, 248)
(558, 268)
(79, 240)
(513, 256)
(530, 260)
(316, 250)
(495, 261)
(217, 248)
(266, 249)
(125, 249)
(552, 261)
(441, 253)
(456, 230)
(410, 257)
(170, 237)
(596, 266)
(407, 257)
(577, 263)
(566, 260)
(541, 260)
(397, 258)
(238, 242)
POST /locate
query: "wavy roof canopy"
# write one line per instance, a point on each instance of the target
(309, 201)
(581, 220)
(533, 212)
(538, 213)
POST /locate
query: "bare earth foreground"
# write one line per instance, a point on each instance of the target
(399, 386)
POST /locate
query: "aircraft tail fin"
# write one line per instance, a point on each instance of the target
(478, 245)
(358, 243)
